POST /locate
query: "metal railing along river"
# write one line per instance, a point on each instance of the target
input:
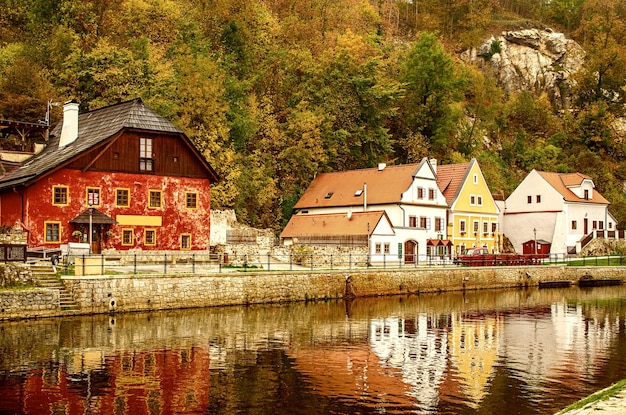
(200, 262)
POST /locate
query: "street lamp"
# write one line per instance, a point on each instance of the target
(535, 232)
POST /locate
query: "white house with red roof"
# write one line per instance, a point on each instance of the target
(560, 208)
(405, 211)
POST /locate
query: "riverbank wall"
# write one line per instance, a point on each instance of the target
(142, 292)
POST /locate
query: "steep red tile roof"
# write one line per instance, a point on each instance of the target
(450, 177)
(338, 189)
(333, 224)
(561, 181)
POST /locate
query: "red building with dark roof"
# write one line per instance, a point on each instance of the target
(124, 172)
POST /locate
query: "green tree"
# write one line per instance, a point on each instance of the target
(603, 30)
(432, 87)
(566, 12)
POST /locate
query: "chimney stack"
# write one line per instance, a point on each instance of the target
(69, 130)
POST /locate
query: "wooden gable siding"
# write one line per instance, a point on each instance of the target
(171, 156)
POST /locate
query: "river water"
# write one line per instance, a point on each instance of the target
(488, 352)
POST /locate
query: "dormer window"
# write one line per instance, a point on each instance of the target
(328, 195)
(586, 192)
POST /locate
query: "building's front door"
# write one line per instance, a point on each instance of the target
(96, 240)
(410, 252)
(585, 226)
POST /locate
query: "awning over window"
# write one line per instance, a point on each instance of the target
(438, 242)
(97, 218)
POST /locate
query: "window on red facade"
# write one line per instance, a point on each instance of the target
(128, 237)
(93, 196)
(191, 200)
(150, 237)
(53, 232)
(185, 241)
(59, 195)
(154, 199)
(122, 198)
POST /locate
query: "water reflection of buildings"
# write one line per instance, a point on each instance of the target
(421, 359)
(136, 383)
(571, 344)
(474, 346)
(417, 348)
(398, 367)
(353, 374)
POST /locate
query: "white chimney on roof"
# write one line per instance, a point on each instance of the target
(381, 166)
(69, 130)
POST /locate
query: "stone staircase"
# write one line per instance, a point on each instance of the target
(46, 277)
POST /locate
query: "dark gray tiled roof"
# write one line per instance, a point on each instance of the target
(93, 127)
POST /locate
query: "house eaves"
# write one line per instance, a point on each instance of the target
(374, 186)
(94, 128)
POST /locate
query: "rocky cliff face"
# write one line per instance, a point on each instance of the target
(535, 60)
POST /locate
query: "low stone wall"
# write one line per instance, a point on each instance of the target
(325, 256)
(13, 236)
(152, 292)
(15, 274)
(118, 293)
(123, 293)
(33, 303)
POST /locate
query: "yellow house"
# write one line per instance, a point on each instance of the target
(472, 215)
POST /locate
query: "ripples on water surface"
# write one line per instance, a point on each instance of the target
(491, 352)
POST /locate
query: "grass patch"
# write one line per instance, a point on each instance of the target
(614, 260)
(604, 394)
(230, 266)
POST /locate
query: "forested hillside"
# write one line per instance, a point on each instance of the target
(275, 91)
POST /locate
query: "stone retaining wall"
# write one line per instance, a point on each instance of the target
(148, 292)
(15, 274)
(122, 293)
(33, 303)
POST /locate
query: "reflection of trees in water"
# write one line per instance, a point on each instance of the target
(429, 350)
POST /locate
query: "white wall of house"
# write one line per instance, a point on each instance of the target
(535, 204)
(533, 186)
(519, 228)
(415, 218)
(597, 217)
